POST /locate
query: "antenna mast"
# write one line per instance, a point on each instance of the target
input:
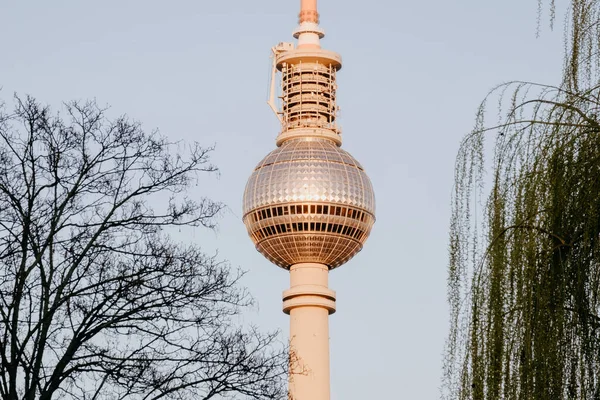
(308, 81)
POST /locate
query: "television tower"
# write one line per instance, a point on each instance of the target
(308, 206)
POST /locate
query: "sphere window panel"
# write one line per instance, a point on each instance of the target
(314, 195)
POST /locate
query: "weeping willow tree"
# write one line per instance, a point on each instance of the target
(524, 270)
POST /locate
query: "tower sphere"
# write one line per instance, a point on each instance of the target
(309, 201)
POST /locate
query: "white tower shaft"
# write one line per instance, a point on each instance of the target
(309, 302)
(309, 33)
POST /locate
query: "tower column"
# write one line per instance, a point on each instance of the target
(308, 11)
(309, 302)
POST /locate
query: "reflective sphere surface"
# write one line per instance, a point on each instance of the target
(309, 201)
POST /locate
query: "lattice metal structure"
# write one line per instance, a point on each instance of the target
(309, 96)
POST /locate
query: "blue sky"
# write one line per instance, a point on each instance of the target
(414, 73)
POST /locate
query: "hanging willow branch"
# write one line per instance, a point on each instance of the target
(524, 269)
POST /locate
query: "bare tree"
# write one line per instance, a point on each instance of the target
(96, 301)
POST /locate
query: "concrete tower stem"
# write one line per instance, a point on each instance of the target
(309, 205)
(308, 11)
(309, 301)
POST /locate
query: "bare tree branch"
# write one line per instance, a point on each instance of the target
(96, 301)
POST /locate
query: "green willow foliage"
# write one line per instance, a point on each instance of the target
(524, 271)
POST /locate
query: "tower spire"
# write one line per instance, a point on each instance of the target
(308, 11)
(308, 33)
(308, 82)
